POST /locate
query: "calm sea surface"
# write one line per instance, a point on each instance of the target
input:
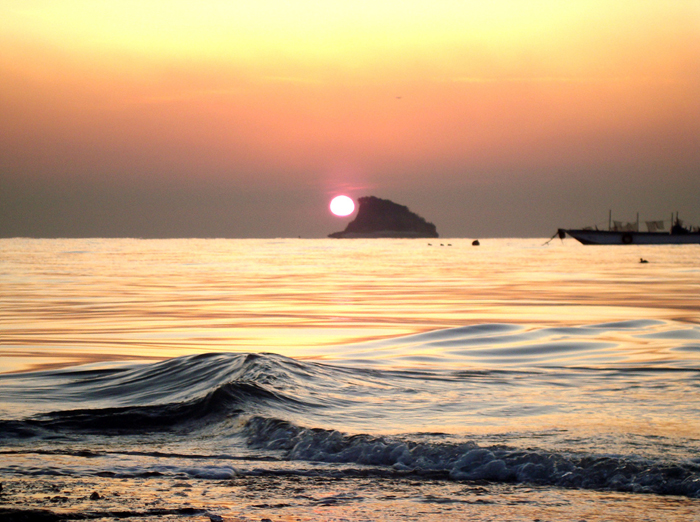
(325, 379)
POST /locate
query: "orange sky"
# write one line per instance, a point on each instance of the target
(290, 102)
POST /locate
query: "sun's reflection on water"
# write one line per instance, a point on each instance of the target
(66, 301)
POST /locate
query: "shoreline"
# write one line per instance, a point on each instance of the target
(304, 498)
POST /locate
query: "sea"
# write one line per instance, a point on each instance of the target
(348, 380)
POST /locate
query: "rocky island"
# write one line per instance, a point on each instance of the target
(383, 218)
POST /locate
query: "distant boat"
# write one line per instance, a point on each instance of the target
(629, 234)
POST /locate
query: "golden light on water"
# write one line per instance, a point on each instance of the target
(127, 298)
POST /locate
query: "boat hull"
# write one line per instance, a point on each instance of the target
(605, 237)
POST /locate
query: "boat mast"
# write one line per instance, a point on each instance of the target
(637, 221)
(610, 219)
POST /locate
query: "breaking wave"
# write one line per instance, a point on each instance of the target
(266, 406)
(468, 461)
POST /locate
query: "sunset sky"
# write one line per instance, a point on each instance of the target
(237, 118)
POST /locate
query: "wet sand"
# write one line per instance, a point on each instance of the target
(306, 498)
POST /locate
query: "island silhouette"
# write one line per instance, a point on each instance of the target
(378, 217)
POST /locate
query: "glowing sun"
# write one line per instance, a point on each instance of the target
(342, 206)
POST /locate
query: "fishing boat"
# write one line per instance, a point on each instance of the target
(629, 234)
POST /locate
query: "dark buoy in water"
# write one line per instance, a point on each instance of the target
(475, 242)
(642, 260)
